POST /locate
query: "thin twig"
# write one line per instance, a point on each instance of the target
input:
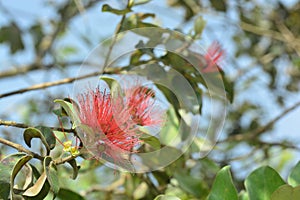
(49, 84)
(272, 34)
(260, 130)
(21, 148)
(32, 67)
(119, 26)
(20, 125)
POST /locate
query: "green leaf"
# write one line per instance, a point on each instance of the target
(113, 84)
(108, 8)
(294, 177)
(190, 184)
(69, 194)
(49, 136)
(223, 187)
(31, 133)
(243, 195)
(151, 140)
(9, 167)
(73, 164)
(18, 166)
(262, 182)
(199, 25)
(39, 190)
(69, 108)
(166, 197)
(51, 174)
(286, 192)
(12, 35)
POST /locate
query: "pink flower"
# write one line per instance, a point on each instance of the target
(109, 119)
(212, 57)
(143, 109)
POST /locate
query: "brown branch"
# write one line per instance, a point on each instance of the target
(260, 130)
(21, 148)
(272, 34)
(48, 84)
(32, 67)
(20, 125)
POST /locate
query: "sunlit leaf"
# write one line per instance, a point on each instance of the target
(262, 182)
(286, 192)
(166, 197)
(70, 110)
(294, 177)
(39, 190)
(223, 187)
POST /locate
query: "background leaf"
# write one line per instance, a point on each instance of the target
(262, 182)
(223, 187)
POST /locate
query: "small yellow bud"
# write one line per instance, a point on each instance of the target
(67, 146)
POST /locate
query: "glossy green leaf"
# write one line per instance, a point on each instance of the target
(51, 174)
(68, 194)
(73, 164)
(286, 192)
(262, 182)
(166, 197)
(294, 177)
(223, 187)
(9, 166)
(31, 133)
(70, 110)
(108, 8)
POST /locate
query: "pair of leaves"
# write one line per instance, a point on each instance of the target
(263, 183)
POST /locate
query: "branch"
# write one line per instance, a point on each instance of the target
(48, 84)
(119, 26)
(32, 67)
(20, 125)
(21, 148)
(260, 130)
(295, 43)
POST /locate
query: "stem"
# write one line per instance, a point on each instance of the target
(20, 125)
(21, 148)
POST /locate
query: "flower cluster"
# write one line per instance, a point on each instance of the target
(212, 58)
(114, 119)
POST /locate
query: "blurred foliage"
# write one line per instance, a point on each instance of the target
(267, 36)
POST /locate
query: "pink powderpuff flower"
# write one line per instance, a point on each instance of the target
(111, 130)
(142, 106)
(212, 58)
